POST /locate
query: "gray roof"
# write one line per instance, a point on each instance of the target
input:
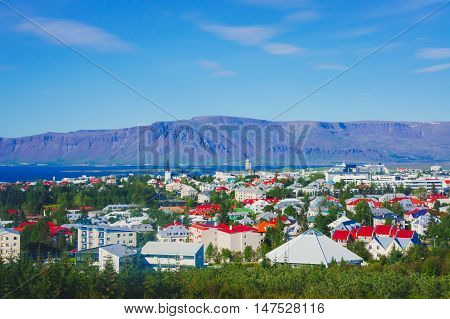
(119, 250)
(170, 248)
(10, 230)
(312, 248)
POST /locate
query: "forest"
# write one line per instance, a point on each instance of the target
(422, 273)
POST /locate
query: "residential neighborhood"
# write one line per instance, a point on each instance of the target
(174, 221)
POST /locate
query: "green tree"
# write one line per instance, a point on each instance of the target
(363, 213)
(248, 253)
(209, 253)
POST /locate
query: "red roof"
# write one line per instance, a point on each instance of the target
(53, 229)
(375, 203)
(222, 189)
(341, 235)
(384, 230)
(235, 229)
(173, 224)
(365, 231)
(13, 211)
(332, 199)
(404, 233)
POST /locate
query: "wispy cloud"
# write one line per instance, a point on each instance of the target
(75, 33)
(254, 35)
(303, 16)
(215, 68)
(403, 6)
(330, 67)
(434, 68)
(246, 35)
(433, 53)
(358, 32)
(281, 48)
(281, 4)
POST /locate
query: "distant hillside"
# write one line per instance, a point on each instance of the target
(219, 140)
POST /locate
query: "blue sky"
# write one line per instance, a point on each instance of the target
(250, 58)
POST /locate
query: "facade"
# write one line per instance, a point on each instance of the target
(204, 197)
(118, 255)
(9, 243)
(188, 191)
(234, 238)
(244, 193)
(97, 236)
(173, 255)
(175, 232)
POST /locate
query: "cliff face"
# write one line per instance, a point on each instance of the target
(218, 140)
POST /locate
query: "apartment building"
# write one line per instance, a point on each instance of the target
(234, 238)
(97, 236)
(244, 193)
(9, 243)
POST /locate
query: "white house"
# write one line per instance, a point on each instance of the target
(174, 232)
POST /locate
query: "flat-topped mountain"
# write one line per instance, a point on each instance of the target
(221, 140)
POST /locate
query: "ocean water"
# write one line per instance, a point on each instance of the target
(47, 172)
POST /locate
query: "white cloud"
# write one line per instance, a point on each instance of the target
(303, 16)
(246, 35)
(215, 68)
(330, 66)
(75, 33)
(281, 48)
(433, 53)
(434, 68)
(358, 32)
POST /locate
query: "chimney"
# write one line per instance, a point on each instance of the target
(231, 227)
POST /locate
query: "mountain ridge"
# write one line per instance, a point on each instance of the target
(220, 140)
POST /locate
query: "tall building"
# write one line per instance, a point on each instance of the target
(167, 173)
(248, 165)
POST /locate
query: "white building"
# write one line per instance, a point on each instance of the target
(172, 256)
(312, 248)
(175, 232)
(90, 236)
(9, 243)
(116, 254)
(188, 191)
(244, 193)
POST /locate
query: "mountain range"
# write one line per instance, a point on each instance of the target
(222, 140)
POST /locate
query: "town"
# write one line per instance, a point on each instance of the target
(353, 216)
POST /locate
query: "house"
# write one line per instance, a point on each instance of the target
(363, 233)
(118, 255)
(244, 193)
(391, 218)
(420, 224)
(351, 204)
(257, 206)
(90, 236)
(9, 243)
(204, 197)
(120, 207)
(173, 255)
(341, 236)
(174, 232)
(383, 246)
(312, 248)
(343, 223)
(188, 191)
(236, 238)
(385, 231)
